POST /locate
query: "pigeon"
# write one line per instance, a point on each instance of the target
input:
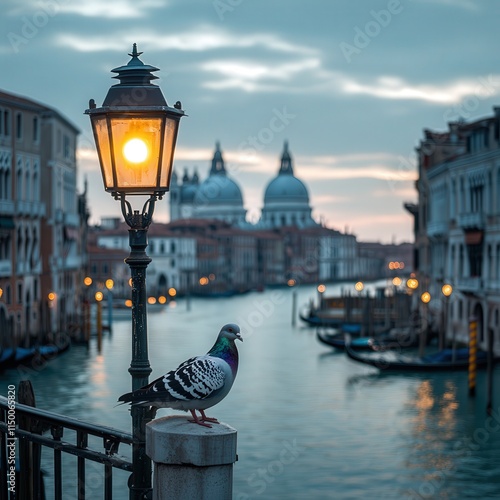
(198, 383)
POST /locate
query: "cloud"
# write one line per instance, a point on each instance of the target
(393, 87)
(251, 75)
(201, 39)
(109, 9)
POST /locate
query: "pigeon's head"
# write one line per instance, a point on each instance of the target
(231, 332)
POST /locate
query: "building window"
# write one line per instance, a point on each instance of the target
(36, 130)
(19, 126)
(6, 122)
(66, 146)
(19, 293)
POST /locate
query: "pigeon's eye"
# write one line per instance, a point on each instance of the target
(229, 329)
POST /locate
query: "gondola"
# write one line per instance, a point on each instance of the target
(337, 340)
(315, 320)
(385, 340)
(440, 361)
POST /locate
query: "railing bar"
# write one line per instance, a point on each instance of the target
(68, 422)
(95, 456)
(81, 443)
(37, 473)
(57, 474)
(108, 482)
(81, 478)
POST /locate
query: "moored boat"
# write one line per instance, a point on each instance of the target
(443, 360)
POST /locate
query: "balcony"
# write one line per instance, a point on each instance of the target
(472, 284)
(7, 207)
(5, 268)
(472, 220)
(29, 208)
(437, 228)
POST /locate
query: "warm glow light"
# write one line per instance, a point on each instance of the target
(359, 286)
(412, 283)
(128, 303)
(87, 280)
(401, 265)
(99, 296)
(203, 280)
(151, 300)
(51, 296)
(1, 292)
(135, 151)
(211, 276)
(172, 292)
(110, 284)
(291, 282)
(447, 289)
(396, 281)
(130, 282)
(425, 297)
(321, 288)
(162, 299)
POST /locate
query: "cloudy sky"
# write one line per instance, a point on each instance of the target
(350, 84)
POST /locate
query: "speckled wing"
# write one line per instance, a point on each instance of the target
(194, 380)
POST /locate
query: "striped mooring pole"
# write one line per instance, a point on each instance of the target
(472, 355)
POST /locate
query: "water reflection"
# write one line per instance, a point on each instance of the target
(357, 433)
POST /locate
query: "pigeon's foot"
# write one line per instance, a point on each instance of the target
(196, 420)
(204, 418)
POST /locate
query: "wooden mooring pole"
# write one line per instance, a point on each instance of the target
(472, 355)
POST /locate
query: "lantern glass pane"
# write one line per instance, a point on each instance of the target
(171, 127)
(136, 146)
(100, 127)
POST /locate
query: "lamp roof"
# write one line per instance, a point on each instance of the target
(135, 87)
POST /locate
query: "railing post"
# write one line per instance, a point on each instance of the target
(30, 487)
(191, 461)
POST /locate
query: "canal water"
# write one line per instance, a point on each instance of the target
(311, 423)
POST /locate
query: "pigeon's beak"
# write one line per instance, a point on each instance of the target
(239, 337)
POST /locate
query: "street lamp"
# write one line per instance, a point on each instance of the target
(135, 133)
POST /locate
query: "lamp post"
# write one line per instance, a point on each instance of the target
(446, 290)
(135, 133)
(425, 298)
(109, 285)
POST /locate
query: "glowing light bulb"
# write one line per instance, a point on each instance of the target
(135, 150)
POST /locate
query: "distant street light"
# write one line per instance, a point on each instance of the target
(135, 133)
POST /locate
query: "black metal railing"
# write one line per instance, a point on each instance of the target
(31, 429)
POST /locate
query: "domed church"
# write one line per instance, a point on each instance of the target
(286, 199)
(217, 197)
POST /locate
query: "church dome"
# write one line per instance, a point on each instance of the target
(218, 188)
(286, 188)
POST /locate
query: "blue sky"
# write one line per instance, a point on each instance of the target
(350, 84)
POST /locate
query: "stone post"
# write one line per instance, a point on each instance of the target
(191, 461)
